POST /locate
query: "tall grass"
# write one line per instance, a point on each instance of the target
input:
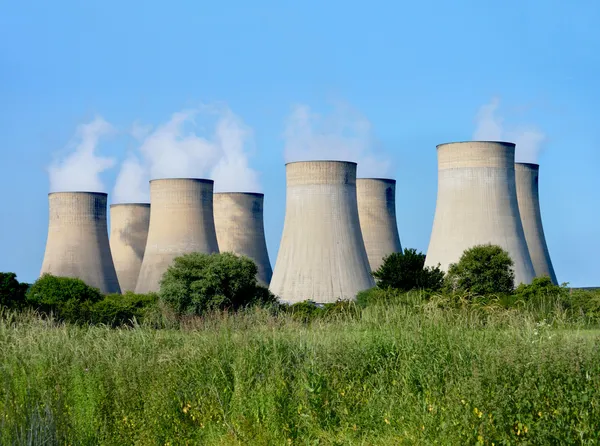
(406, 373)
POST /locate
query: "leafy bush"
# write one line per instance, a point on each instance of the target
(305, 311)
(407, 271)
(482, 270)
(116, 309)
(539, 288)
(197, 282)
(12, 292)
(68, 298)
(308, 311)
(584, 302)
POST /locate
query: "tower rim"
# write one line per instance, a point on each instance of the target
(102, 194)
(196, 180)
(322, 161)
(503, 143)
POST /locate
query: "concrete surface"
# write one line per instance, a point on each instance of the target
(240, 229)
(477, 204)
(527, 178)
(77, 245)
(377, 212)
(181, 222)
(322, 255)
(128, 235)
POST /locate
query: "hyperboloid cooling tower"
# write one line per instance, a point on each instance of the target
(322, 254)
(128, 235)
(527, 176)
(181, 222)
(77, 244)
(477, 204)
(240, 229)
(377, 211)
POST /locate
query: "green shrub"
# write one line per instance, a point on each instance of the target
(12, 292)
(407, 271)
(482, 270)
(539, 288)
(69, 299)
(308, 311)
(583, 302)
(305, 311)
(117, 310)
(197, 282)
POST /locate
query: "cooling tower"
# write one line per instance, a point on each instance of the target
(128, 235)
(477, 204)
(181, 222)
(322, 254)
(377, 211)
(240, 229)
(527, 176)
(77, 244)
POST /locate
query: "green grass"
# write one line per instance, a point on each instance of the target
(407, 373)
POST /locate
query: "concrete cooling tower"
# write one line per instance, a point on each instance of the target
(181, 222)
(527, 176)
(128, 234)
(77, 244)
(322, 254)
(377, 211)
(477, 204)
(240, 229)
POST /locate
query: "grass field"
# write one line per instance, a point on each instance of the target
(408, 373)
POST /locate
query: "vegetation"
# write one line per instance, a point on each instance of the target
(396, 367)
(406, 271)
(482, 270)
(411, 371)
(196, 283)
(12, 293)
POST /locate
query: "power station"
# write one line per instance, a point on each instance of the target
(477, 204)
(337, 228)
(527, 178)
(322, 254)
(376, 199)
(240, 229)
(181, 222)
(128, 234)
(77, 244)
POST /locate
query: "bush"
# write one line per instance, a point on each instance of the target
(68, 298)
(12, 292)
(308, 311)
(407, 271)
(305, 311)
(540, 287)
(116, 309)
(482, 270)
(197, 282)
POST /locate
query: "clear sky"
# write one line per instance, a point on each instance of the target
(389, 79)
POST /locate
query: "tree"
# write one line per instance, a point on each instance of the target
(482, 269)
(12, 292)
(68, 298)
(197, 282)
(406, 271)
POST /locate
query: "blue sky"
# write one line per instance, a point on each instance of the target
(413, 75)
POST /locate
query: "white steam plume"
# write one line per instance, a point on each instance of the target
(343, 135)
(80, 169)
(489, 127)
(174, 150)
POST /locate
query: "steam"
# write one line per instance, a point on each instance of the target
(343, 135)
(80, 169)
(490, 127)
(174, 150)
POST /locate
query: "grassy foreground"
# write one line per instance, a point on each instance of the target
(400, 374)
